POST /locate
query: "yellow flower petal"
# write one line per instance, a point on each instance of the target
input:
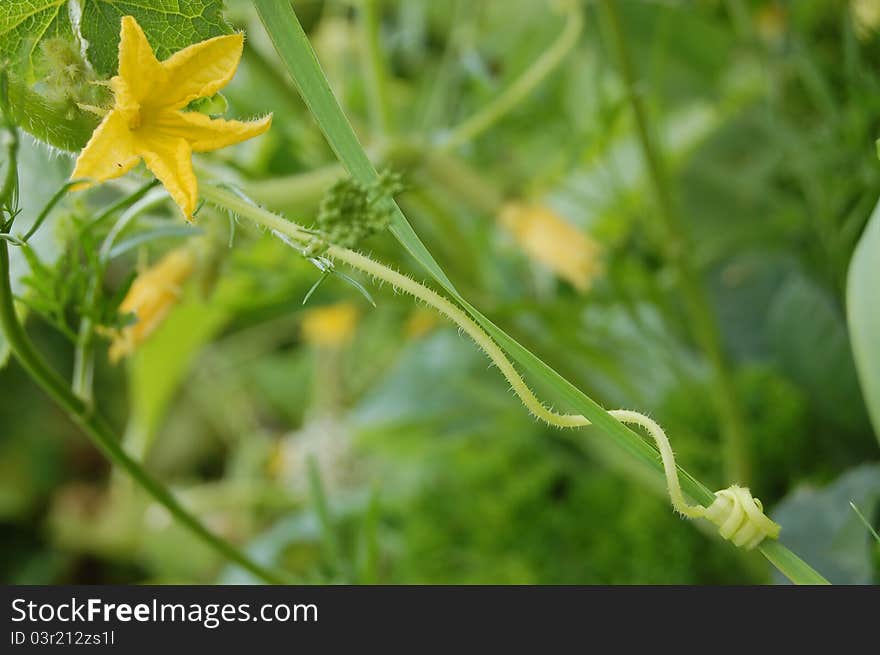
(139, 70)
(146, 120)
(550, 240)
(205, 133)
(151, 297)
(109, 153)
(201, 69)
(331, 325)
(170, 160)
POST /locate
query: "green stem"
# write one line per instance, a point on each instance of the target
(374, 69)
(464, 181)
(506, 101)
(48, 209)
(9, 190)
(678, 249)
(100, 432)
(83, 377)
(301, 193)
(322, 510)
(84, 360)
(297, 193)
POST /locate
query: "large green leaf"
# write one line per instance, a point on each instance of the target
(810, 341)
(25, 24)
(820, 524)
(863, 314)
(170, 25)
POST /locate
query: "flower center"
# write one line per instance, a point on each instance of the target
(134, 118)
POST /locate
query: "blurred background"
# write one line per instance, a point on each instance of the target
(360, 444)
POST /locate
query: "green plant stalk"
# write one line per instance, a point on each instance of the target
(48, 209)
(296, 52)
(788, 563)
(368, 555)
(322, 510)
(9, 190)
(101, 434)
(301, 193)
(83, 358)
(454, 174)
(83, 378)
(678, 248)
(374, 69)
(508, 99)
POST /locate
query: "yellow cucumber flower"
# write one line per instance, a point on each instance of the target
(330, 326)
(151, 296)
(550, 240)
(148, 121)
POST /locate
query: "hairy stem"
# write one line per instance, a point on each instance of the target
(464, 322)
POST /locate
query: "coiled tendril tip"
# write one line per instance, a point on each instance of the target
(740, 517)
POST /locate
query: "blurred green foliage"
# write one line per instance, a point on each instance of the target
(396, 455)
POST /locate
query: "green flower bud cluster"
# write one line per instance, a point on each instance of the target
(351, 212)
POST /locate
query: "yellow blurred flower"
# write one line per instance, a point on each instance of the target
(151, 296)
(332, 325)
(866, 14)
(771, 21)
(549, 239)
(420, 322)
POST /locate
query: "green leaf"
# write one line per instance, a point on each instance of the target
(821, 524)
(810, 340)
(170, 25)
(296, 52)
(24, 24)
(863, 314)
